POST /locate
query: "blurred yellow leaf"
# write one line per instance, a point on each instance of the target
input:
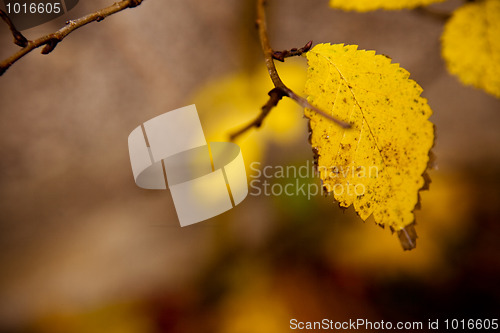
(378, 164)
(256, 307)
(448, 220)
(229, 103)
(471, 45)
(111, 318)
(367, 5)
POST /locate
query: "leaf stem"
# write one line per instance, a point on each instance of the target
(269, 56)
(51, 40)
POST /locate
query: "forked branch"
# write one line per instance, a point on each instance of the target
(279, 86)
(19, 39)
(50, 41)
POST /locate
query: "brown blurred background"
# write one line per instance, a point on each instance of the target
(82, 249)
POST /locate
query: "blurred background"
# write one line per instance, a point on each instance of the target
(82, 249)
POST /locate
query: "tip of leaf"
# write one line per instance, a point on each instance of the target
(408, 237)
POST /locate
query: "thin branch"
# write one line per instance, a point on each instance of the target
(50, 41)
(435, 14)
(275, 96)
(19, 39)
(279, 86)
(281, 55)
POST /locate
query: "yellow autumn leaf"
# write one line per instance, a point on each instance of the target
(471, 45)
(229, 103)
(367, 5)
(378, 164)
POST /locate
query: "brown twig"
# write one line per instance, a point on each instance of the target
(50, 41)
(281, 55)
(435, 14)
(280, 89)
(19, 39)
(275, 96)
